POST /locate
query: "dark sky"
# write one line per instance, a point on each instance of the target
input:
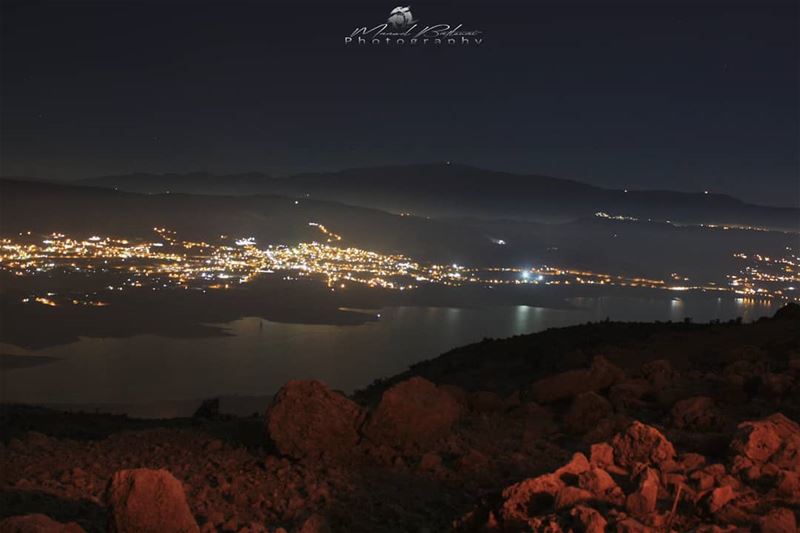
(687, 95)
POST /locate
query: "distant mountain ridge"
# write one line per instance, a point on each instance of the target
(459, 190)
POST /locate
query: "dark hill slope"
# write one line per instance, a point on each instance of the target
(458, 190)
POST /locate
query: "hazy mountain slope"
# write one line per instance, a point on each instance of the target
(46, 207)
(457, 190)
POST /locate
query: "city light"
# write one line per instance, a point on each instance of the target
(170, 262)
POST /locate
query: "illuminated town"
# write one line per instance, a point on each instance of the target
(170, 262)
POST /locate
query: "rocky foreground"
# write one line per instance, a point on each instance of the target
(602, 427)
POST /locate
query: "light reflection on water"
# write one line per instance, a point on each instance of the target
(260, 356)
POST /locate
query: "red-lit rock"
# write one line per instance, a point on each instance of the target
(412, 415)
(601, 485)
(569, 497)
(472, 460)
(629, 393)
(720, 497)
(308, 420)
(642, 502)
(524, 499)
(773, 442)
(430, 462)
(776, 385)
(602, 454)
(586, 409)
(588, 520)
(698, 413)
(779, 520)
(600, 375)
(642, 444)
(148, 501)
(658, 373)
(691, 461)
(37, 523)
(315, 524)
(545, 524)
(606, 427)
(631, 525)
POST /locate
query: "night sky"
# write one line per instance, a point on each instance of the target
(685, 95)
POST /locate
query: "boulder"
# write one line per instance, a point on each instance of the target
(308, 420)
(430, 462)
(698, 413)
(605, 428)
(588, 520)
(720, 497)
(586, 410)
(543, 524)
(472, 459)
(778, 520)
(788, 485)
(600, 375)
(569, 497)
(602, 454)
(642, 502)
(641, 443)
(776, 385)
(535, 420)
(631, 525)
(532, 496)
(743, 370)
(314, 524)
(704, 478)
(658, 373)
(412, 415)
(629, 393)
(773, 441)
(691, 461)
(529, 497)
(37, 523)
(148, 501)
(601, 485)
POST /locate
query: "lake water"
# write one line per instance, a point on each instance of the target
(149, 375)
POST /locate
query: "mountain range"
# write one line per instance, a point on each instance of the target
(451, 190)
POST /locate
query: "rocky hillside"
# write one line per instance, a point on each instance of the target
(601, 427)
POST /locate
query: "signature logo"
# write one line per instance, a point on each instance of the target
(401, 18)
(402, 29)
